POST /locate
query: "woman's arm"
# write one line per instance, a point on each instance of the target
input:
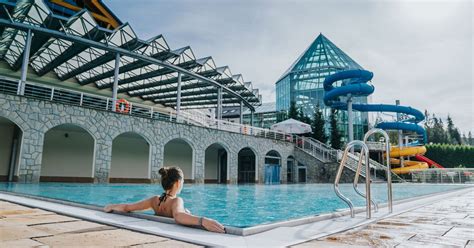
(183, 218)
(141, 205)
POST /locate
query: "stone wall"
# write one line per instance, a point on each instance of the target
(35, 118)
(319, 172)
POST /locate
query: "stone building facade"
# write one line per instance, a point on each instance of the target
(36, 117)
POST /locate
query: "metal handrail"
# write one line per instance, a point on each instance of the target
(356, 181)
(316, 148)
(365, 152)
(389, 171)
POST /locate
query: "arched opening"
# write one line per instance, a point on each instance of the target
(10, 144)
(178, 152)
(215, 167)
(130, 159)
(68, 155)
(290, 169)
(272, 167)
(246, 166)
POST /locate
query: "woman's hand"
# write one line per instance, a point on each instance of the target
(115, 207)
(212, 225)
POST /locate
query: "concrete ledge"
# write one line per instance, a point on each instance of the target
(129, 180)
(67, 179)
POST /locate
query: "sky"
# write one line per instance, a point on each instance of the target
(421, 51)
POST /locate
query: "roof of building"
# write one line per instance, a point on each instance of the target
(322, 53)
(78, 41)
(267, 107)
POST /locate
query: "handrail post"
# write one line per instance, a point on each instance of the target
(368, 200)
(388, 169)
(52, 94)
(364, 150)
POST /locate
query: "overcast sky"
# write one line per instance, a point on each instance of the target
(421, 52)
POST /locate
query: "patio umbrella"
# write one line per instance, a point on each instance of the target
(292, 126)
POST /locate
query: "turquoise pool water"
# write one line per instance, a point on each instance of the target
(232, 205)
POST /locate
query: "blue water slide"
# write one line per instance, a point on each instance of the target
(354, 83)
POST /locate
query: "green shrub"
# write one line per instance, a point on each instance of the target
(451, 156)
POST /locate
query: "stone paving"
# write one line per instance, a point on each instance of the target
(448, 223)
(22, 226)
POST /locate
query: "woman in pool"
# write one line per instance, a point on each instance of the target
(169, 204)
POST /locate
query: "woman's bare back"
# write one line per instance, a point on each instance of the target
(163, 207)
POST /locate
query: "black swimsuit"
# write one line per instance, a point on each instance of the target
(163, 198)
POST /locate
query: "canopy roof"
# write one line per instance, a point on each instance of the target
(79, 46)
(292, 126)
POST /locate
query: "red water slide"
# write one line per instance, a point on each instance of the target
(429, 161)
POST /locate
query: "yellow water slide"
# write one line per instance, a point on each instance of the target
(396, 152)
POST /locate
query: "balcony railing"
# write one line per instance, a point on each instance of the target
(91, 101)
(447, 175)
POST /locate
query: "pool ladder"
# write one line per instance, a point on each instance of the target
(364, 156)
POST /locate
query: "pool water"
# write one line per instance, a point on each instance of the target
(232, 205)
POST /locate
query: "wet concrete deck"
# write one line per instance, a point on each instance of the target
(446, 223)
(22, 226)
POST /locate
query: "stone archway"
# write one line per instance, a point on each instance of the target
(68, 155)
(130, 159)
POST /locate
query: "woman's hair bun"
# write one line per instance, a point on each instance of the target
(169, 175)
(163, 171)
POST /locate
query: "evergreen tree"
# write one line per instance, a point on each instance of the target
(469, 138)
(303, 117)
(428, 126)
(438, 133)
(335, 134)
(293, 111)
(453, 133)
(464, 139)
(318, 125)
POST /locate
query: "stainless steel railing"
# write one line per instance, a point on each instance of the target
(365, 154)
(388, 169)
(316, 148)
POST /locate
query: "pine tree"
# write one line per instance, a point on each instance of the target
(453, 133)
(293, 111)
(317, 125)
(335, 134)
(303, 117)
(469, 138)
(428, 126)
(438, 133)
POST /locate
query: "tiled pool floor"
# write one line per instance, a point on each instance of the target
(447, 223)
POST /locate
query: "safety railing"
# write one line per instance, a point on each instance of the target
(91, 101)
(364, 155)
(316, 148)
(375, 146)
(443, 176)
(387, 168)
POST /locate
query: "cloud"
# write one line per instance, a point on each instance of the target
(421, 52)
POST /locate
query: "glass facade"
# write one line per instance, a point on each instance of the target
(303, 84)
(265, 116)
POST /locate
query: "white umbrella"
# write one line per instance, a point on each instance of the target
(292, 126)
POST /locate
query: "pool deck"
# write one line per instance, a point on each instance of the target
(22, 226)
(453, 209)
(447, 223)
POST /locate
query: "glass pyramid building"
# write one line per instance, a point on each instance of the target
(303, 83)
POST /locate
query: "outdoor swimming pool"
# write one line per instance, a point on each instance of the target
(233, 205)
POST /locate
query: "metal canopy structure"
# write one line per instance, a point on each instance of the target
(77, 47)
